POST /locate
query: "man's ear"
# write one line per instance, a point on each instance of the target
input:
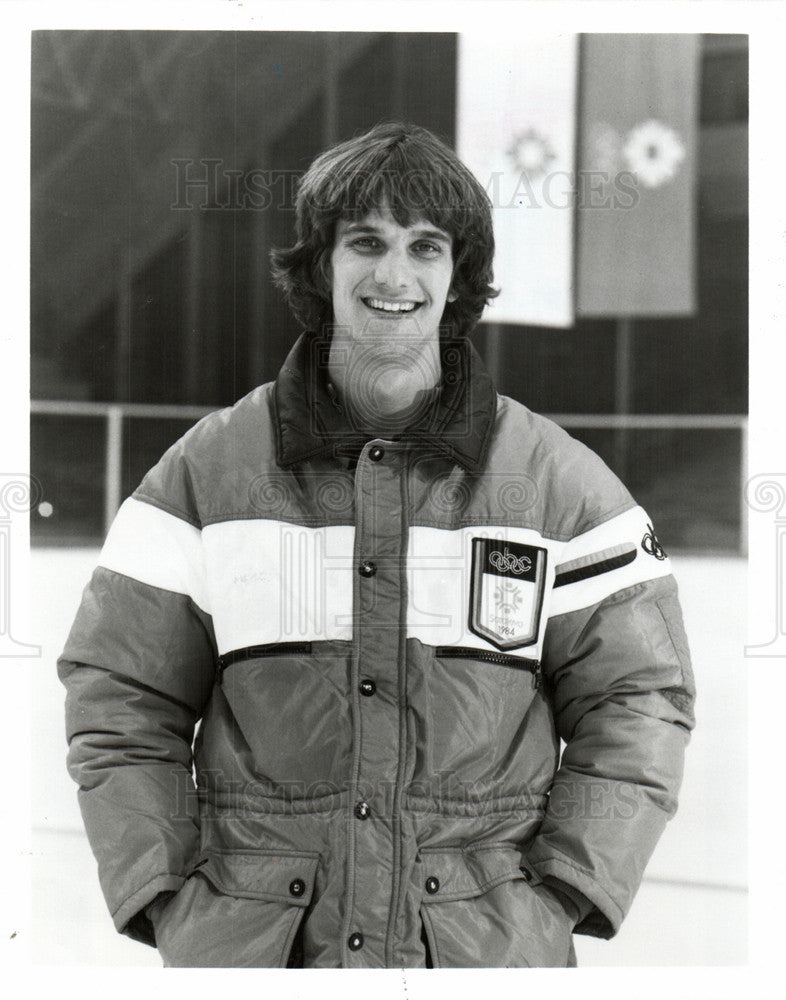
(452, 296)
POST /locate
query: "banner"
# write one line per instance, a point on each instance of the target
(637, 175)
(516, 130)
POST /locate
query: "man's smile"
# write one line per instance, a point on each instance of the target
(391, 305)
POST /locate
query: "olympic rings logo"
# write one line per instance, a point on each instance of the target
(506, 562)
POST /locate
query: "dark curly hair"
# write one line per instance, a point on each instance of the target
(417, 176)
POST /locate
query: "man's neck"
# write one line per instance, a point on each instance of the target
(387, 417)
(387, 396)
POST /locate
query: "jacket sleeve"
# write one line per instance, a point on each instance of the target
(617, 670)
(138, 668)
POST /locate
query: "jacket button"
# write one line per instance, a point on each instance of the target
(432, 885)
(355, 941)
(367, 568)
(362, 810)
(376, 453)
(367, 687)
(297, 887)
(526, 873)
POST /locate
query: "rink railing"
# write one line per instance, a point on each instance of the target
(115, 413)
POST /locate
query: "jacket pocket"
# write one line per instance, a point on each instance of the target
(486, 694)
(481, 908)
(238, 909)
(289, 702)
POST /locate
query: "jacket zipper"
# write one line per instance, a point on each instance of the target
(489, 656)
(258, 652)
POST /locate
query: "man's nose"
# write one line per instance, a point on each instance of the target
(393, 270)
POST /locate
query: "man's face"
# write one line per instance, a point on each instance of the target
(389, 286)
(390, 280)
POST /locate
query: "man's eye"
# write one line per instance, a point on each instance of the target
(427, 249)
(365, 243)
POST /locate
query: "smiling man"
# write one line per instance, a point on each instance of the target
(389, 287)
(386, 594)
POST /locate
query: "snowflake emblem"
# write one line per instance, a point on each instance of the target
(507, 597)
(531, 153)
(653, 152)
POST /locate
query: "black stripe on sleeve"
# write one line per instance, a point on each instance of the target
(594, 569)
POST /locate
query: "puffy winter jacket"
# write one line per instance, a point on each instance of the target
(379, 646)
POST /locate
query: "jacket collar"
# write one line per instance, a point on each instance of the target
(311, 424)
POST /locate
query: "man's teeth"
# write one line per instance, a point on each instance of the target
(391, 306)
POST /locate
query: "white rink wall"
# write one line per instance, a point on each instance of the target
(691, 909)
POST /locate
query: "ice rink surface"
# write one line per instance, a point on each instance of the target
(692, 906)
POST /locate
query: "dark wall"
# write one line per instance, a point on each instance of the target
(177, 272)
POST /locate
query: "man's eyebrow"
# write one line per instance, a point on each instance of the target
(369, 227)
(358, 227)
(433, 234)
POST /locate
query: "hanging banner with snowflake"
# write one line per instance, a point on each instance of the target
(516, 130)
(637, 174)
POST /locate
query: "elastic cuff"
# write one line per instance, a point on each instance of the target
(130, 918)
(575, 904)
(606, 915)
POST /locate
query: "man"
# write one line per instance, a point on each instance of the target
(385, 594)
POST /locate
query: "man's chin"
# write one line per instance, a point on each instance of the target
(374, 326)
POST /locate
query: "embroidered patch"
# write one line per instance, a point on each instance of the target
(506, 593)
